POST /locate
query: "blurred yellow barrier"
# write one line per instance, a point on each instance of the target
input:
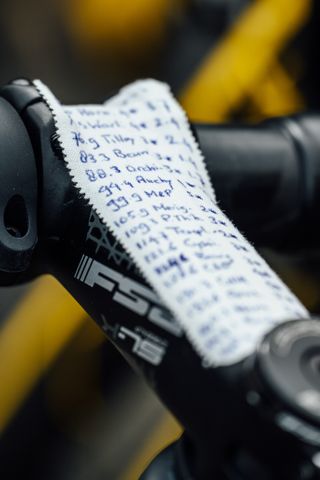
(30, 340)
(276, 94)
(129, 27)
(241, 60)
(165, 432)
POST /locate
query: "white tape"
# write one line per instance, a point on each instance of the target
(136, 161)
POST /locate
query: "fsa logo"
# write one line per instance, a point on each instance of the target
(127, 292)
(143, 348)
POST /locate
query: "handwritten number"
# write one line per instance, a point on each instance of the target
(94, 142)
(76, 136)
(104, 157)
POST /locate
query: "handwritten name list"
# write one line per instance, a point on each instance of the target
(137, 162)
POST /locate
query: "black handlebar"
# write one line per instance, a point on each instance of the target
(265, 178)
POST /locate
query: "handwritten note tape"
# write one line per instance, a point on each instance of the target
(137, 162)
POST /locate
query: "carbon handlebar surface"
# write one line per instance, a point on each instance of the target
(266, 177)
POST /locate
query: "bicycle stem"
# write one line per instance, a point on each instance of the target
(279, 160)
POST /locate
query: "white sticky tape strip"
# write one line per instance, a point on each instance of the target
(137, 162)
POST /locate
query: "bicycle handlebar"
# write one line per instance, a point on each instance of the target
(266, 177)
(71, 243)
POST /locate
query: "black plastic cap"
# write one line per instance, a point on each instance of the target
(288, 364)
(18, 195)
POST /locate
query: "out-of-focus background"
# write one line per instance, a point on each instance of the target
(70, 407)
